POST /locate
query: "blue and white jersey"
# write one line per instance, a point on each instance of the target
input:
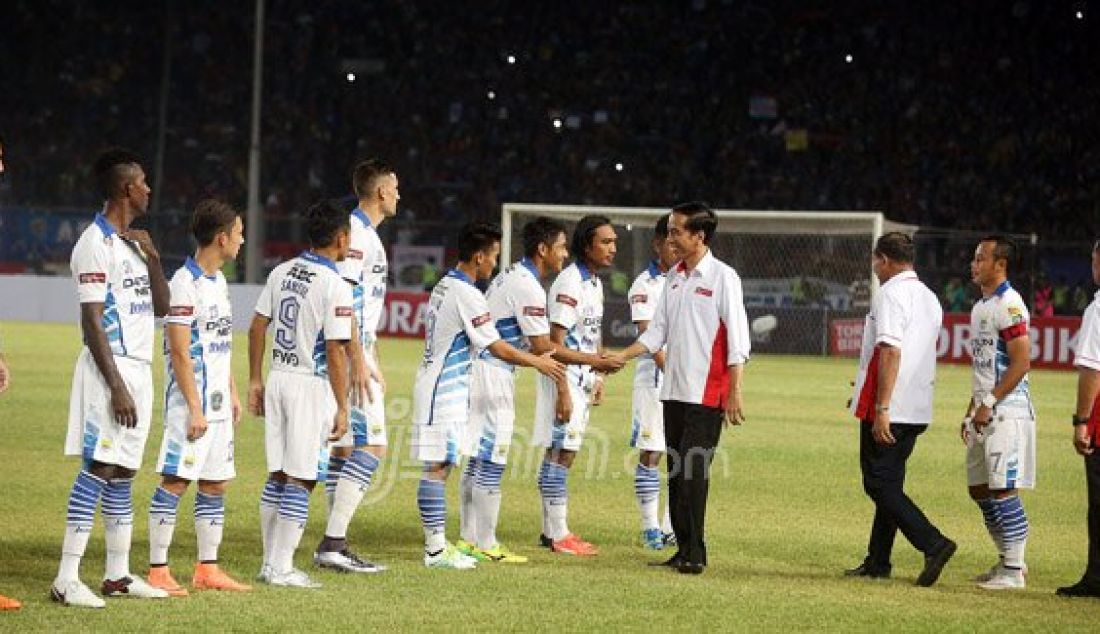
(994, 321)
(200, 302)
(366, 267)
(644, 294)
(457, 323)
(309, 304)
(517, 303)
(576, 304)
(111, 270)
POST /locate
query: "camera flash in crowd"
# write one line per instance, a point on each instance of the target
(511, 59)
(618, 167)
(848, 58)
(557, 123)
(351, 77)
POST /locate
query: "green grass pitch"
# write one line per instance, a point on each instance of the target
(787, 514)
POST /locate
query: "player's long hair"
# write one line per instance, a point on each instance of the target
(583, 234)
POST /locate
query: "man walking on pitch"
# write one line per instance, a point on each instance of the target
(305, 400)
(893, 401)
(701, 324)
(201, 405)
(121, 287)
(999, 426)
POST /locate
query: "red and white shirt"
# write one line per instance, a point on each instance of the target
(1087, 355)
(906, 315)
(701, 322)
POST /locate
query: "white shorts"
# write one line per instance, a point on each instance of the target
(648, 426)
(299, 410)
(93, 432)
(367, 424)
(1003, 455)
(492, 418)
(551, 433)
(209, 458)
(438, 442)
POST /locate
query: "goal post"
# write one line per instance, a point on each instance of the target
(800, 269)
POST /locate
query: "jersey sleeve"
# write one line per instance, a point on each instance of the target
(891, 320)
(530, 306)
(91, 264)
(564, 301)
(351, 267)
(263, 303)
(1087, 350)
(338, 311)
(656, 335)
(738, 340)
(1012, 318)
(643, 301)
(477, 322)
(183, 300)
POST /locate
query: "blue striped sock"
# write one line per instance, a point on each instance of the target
(83, 500)
(990, 513)
(472, 466)
(209, 507)
(432, 502)
(1014, 527)
(489, 476)
(553, 484)
(209, 525)
(294, 506)
(335, 468)
(647, 489)
(272, 494)
(118, 526)
(118, 501)
(162, 523)
(360, 468)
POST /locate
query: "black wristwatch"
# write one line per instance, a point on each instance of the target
(1080, 420)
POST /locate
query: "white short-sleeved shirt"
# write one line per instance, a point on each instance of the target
(994, 321)
(457, 322)
(644, 295)
(1086, 352)
(309, 303)
(906, 315)
(517, 303)
(576, 303)
(366, 267)
(201, 303)
(111, 271)
(700, 320)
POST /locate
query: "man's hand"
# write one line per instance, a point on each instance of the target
(546, 365)
(359, 381)
(964, 431)
(981, 417)
(609, 363)
(597, 392)
(235, 407)
(1082, 444)
(256, 398)
(880, 428)
(339, 425)
(563, 407)
(143, 240)
(735, 409)
(5, 375)
(196, 426)
(122, 405)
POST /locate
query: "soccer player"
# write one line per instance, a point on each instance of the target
(201, 405)
(999, 426)
(648, 421)
(355, 457)
(6, 603)
(458, 324)
(120, 287)
(576, 315)
(1086, 433)
(305, 400)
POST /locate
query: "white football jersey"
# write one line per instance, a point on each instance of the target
(576, 304)
(994, 321)
(457, 322)
(201, 303)
(644, 294)
(517, 303)
(309, 303)
(110, 270)
(366, 266)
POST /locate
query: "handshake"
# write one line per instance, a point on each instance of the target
(609, 362)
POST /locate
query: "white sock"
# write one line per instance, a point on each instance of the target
(467, 513)
(269, 511)
(72, 551)
(162, 524)
(289, 527)
(666, 520)
(118, 520)
(209, 525)
(487, 507)
(345, 501)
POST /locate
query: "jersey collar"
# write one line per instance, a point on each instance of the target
(654, 269)
(195, 269)
(106, 227)
(701, 268)
(362, 216)
(310, 256)
(530, 266)
(583, 269)
(459, 275)
(1002, 289)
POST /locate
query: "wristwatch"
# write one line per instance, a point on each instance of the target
(1080, 420)
(989, 400)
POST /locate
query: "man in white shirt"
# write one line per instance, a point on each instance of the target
(893, 402)
(1086, 433)
(701, 324)
(999, 426)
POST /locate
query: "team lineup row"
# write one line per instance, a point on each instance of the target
(323, 398)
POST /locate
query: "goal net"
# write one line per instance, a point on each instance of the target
(800, 269)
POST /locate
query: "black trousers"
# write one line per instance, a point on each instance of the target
(691, 434)
(883, 468)
(1092, 479)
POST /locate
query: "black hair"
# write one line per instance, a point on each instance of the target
(1003, 249)
(114, 168)
(700, 217)
(661, 230)
(212, 217)
(476, 237)
(324, 220)
(366, 173)
(896, 246)
(541, 230)
(583, 234)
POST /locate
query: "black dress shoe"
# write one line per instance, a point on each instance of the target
(672, 562)
(545, 541)
(867, 569)
(1079, 589)
(690, 568)
(934, 563)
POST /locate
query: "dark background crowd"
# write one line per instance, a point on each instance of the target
(976, 115)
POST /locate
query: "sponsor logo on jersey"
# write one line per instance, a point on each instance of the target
(344, 311)
(534, 311)
(480, 320)
(181, 311)
(93, 278)
(562, 298)
(216, 400)
(705, 292)
(639, 299)
(355, 254)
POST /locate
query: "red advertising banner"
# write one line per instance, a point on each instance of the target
(403, 314)
(1052, 339)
